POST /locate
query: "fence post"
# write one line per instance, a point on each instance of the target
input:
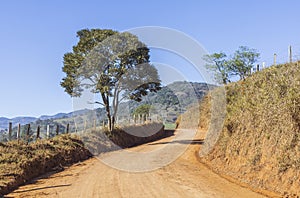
(18, 132)
(290, 54)
(48, 131)
(38, 132)
(94, 124)
(85, 123)
(68, 127)
(9, 131)
(57, 129)
(76, 127)
(27, 133)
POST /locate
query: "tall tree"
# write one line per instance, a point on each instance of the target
(242, 62)
(219, 65)
(115, 65)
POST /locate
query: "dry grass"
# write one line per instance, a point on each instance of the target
(20, 162)
(260, 141)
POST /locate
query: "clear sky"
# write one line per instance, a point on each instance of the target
(35, 35)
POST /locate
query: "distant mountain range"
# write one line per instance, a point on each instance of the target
(26, 120)
(170, 101)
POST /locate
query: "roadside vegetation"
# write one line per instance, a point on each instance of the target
(259, 143)
(20, 162)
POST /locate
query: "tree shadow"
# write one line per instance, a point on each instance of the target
(193, 142)
(41, 188)
(169, 133)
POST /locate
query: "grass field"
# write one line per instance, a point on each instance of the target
(170, 126)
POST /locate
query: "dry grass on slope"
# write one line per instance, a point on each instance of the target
(260, 140)
(20, 162)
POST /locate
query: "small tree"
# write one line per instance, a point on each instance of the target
(242, 62)
(219, 65)
(115, 65)
(143, 109)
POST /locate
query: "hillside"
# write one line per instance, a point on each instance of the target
(167, 104)
(172, 100)
(260, 141)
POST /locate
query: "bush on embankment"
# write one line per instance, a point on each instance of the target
(98, 141)
(260, 140)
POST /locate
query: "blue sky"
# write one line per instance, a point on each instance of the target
(35, 35)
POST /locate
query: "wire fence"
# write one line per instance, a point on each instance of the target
(283, 56)
(35, 131)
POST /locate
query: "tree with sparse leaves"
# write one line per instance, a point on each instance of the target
(112, 64)
(240, 64)
(219, 65)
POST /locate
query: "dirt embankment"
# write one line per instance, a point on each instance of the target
(20, 162)
(260, 141)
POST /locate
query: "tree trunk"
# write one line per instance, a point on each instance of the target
(115, 105)
(105, 99)
(113, 122)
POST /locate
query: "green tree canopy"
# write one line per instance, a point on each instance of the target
(143, 109)
(114, 65)
(242, 62)
(239, 64)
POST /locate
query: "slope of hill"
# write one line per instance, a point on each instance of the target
(167, 104)
(260, 141)
(172, 100)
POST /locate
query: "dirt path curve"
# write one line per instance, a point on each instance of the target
(184, 177)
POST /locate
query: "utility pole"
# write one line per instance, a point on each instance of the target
(275, 56)
(290, 54)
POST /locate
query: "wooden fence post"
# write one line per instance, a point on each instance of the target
(38, 133)
(18, 132)
(48, 131)
(57, 129)
(9, 131)
(85, 125)
(76, 129)
(68, 128)
(28, 133)
(95, 124)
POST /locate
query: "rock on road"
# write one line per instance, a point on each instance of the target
(164, 168)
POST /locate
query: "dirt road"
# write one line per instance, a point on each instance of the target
(136, 176)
